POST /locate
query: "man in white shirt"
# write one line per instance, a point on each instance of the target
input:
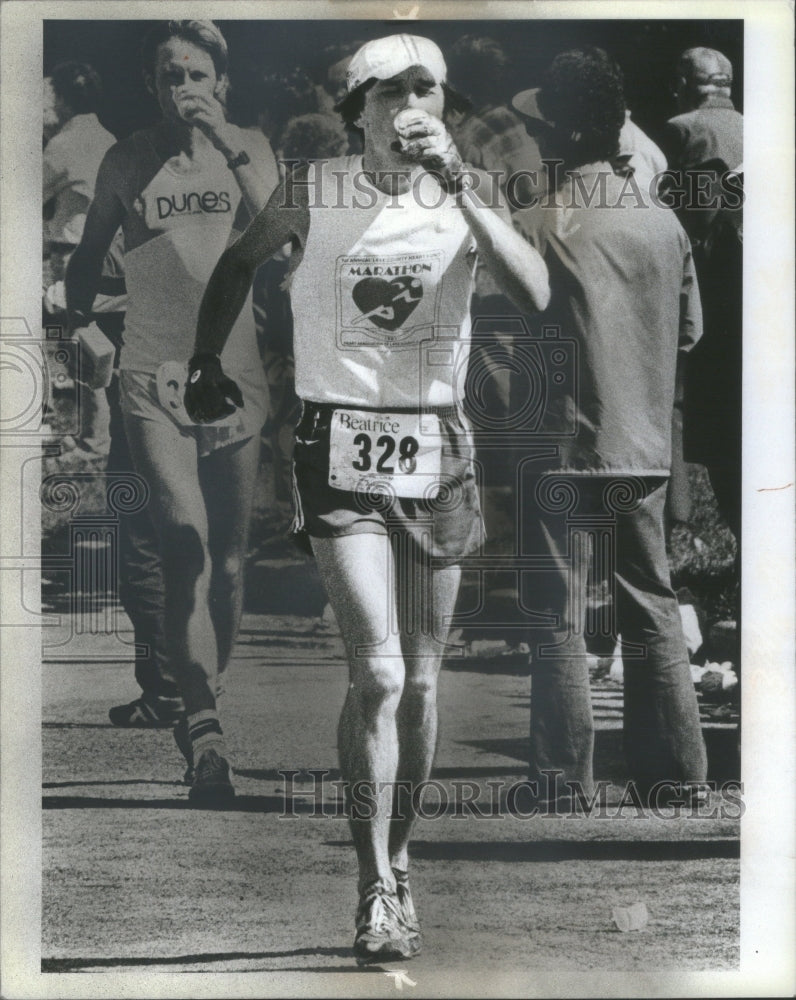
(75, 143)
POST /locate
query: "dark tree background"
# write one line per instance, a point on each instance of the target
(646, 50)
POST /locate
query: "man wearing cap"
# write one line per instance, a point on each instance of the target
(707, 134)
(704, 144)
(385, 490)
(623, 290)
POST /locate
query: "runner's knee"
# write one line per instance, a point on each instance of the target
(183, 549)
(227, 574)
(419, 696)
(380, 685)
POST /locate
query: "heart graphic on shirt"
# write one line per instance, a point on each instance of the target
(387, 304)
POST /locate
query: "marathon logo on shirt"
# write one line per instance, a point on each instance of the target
(377, 271)
(387, 300)
(192, 203)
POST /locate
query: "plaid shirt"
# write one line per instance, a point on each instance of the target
(495, 140)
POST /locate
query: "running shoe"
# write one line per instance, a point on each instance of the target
(141, 714)
(381, 935)
(408, 914)
(212, 786)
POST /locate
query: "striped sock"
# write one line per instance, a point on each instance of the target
(205, 732)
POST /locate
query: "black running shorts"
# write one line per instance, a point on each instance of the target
(445, 523)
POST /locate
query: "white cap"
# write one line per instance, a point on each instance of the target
(385, 58)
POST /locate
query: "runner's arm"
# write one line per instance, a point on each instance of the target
(247, 152)
(514, 263)
(257, 179)
(104, 217)
(285, 217)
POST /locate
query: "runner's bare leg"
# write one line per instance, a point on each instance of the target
(167, 461)
(358, 573)
(425, 609)
(228, 478)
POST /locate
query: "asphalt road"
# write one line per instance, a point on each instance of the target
(136, 882)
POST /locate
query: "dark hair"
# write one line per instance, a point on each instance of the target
(203, 34)
(480, 63)
(275, 96)
(78, 85)
(351, 106)
(329, 56)
(312, 137)
(582, 93)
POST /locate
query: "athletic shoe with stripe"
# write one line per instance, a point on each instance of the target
(408, 914)
(212, 786)
(140, 714)
(381, 935)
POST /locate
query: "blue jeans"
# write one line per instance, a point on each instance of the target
(616, 522)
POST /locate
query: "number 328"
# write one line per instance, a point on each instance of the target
(407, 450)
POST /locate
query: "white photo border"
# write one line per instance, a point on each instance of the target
(768, 929)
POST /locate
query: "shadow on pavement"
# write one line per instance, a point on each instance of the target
(79, 725)
(593, 850)
(105, 783)
(609, 763)
(498, 771)
(296, 776)
(331, 774)
(325, 969)
(241, 803)
(71, 964)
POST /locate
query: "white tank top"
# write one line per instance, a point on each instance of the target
(381, 293)
(185, 219)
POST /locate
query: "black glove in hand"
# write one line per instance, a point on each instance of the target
(209, 393)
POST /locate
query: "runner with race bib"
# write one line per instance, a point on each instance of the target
(385, 249)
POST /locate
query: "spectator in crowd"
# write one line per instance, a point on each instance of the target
(312, 137)
(705, 137)
(648, 163)
(636, 149)
(645, 157)
(181, 190)
(704, 144)
(623, 288)
(489, 134)
(74, 145)
(331, 74)
(281, 96)
(492, 137)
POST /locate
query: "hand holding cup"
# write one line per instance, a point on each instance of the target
(424, 139)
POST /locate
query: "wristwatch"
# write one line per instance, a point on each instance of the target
(240, 160)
